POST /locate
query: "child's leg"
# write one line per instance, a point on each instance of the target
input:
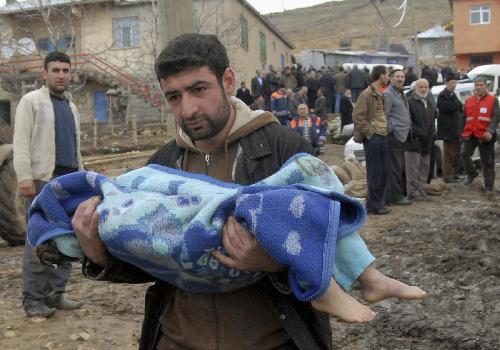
(352, 257)
(353, 262)
(376, 286)
(339, 304)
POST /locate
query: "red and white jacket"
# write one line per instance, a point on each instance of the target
(478, 115)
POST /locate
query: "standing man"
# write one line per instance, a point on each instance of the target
(260, 86)
(420, 141)
(218, 136)
(340, 82)
(370, 128)
(46, 145)
(356, 82)
(398, 127)
(481, 119)
(449, 127)
(279, 105)
(244, 94)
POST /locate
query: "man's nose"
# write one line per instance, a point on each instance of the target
(189, 106)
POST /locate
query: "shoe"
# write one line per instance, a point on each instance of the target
(62, 303)
(451, 180)
(469, 178)
(37, 308)
(489, 191)
(381, 211)
(403, 201)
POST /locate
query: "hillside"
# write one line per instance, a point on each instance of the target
(356, 24)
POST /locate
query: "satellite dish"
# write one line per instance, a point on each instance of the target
(26, 46)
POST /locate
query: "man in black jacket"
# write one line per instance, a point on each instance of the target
(449, 127)
(219, 136)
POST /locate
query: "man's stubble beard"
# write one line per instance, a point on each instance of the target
(215, 123)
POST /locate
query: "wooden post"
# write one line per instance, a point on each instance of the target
(134, 129)
(95, 133)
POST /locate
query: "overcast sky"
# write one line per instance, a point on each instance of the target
(267, 6)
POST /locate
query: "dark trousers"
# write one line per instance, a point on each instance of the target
(355, 94)
(451, 159)
(376, 170)
(396, 184)
(39, 281)
(487, 154)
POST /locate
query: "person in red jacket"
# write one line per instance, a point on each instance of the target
(482, 114)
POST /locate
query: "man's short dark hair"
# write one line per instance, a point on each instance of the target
(55, 56)
(192, 50)
(394, 71)
(377, 71)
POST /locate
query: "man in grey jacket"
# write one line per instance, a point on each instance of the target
(46, 145)
(398, 128)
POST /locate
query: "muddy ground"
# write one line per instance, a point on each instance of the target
(450, 247)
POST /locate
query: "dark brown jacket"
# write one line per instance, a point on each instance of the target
(364, 113)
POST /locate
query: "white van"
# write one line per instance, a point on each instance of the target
(492, 74)
(348, 66)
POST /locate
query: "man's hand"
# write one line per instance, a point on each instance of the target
(245, 253)
(27, 188)
(488, 136)
(85, 223)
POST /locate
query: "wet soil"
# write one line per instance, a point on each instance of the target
(450, 247)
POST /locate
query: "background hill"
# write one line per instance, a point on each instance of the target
(355, 24)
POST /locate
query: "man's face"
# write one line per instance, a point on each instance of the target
(398, 79)
(302, 110)
(481, 88)
(422, 88)
(384, 78)
(57, 76)
(451, 85)
(198, 102)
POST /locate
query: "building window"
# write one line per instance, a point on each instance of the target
(126, 32)
(244, 32)
(63, 43)
(263, 50)
(480, 14)
(274, 46)
(45, 45)
(481, 60)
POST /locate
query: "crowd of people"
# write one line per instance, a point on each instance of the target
(398, 131)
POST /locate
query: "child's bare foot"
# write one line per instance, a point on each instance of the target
(376, 286)
(341, 305)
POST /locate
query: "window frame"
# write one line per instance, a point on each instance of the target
(244, 32)
(120, 23)
(479, 10)
(262, 47)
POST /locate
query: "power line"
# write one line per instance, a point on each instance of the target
(402, 6)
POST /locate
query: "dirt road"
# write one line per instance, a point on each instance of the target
(450, 247)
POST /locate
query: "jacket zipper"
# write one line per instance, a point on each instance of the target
(207, 163)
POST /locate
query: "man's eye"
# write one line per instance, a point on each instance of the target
(199, 89)
(172, 98)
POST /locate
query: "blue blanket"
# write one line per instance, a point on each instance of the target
(167, 222)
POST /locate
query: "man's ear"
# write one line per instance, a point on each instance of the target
(229, 81)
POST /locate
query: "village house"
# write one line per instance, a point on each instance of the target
(113, 44)
(476, 27)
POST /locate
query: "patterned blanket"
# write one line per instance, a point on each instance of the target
(167, 222)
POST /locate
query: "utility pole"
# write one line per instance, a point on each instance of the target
(174, 18)
(415, 39)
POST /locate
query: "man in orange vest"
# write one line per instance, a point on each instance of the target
(482, 114)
